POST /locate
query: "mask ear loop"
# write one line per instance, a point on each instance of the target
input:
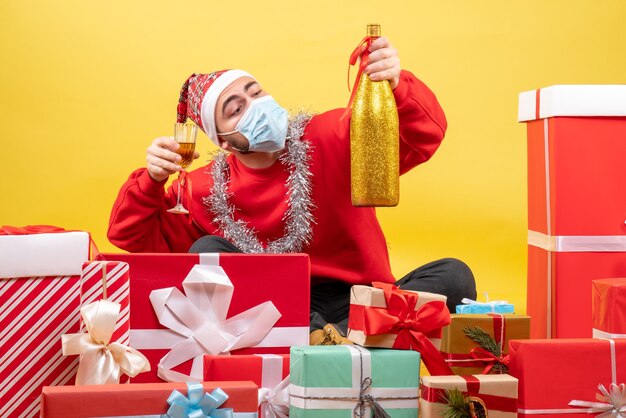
(232, 147)
(227, 133)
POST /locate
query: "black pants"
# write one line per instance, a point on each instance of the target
(330, 299)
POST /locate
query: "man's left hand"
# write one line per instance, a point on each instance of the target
(384, 63)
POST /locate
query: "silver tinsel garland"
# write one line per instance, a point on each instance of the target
(298, 216)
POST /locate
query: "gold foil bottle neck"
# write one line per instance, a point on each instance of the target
(373, 29)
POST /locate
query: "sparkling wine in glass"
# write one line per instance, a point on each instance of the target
(185, 135)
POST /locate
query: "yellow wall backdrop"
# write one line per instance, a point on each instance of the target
(87, 85)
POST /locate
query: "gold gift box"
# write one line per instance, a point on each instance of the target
(456, 345)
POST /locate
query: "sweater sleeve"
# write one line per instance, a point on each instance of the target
(422, 121)
(139, 221)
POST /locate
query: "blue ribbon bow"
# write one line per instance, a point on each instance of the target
(198, 403)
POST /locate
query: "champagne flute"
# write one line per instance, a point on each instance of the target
(185, 135)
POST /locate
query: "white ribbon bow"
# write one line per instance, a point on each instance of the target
(101, 361)
(200, 318)
(274, 403)
(611, 404)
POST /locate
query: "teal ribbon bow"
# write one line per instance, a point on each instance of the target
(198, 403)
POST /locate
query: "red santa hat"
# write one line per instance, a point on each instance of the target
(199, 95)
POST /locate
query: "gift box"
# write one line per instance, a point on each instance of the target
(474, 343)
(36, 311)
(576, 203)
(609, 308)
(42, 250)
(268, 371)
(104, 314)
(569, 312)
(108, 280)
(494, 394)
(385, 316)
(147, 399)
(553, 373)
(473, 307)
(359, 377)
(265, 370)
(219, 288)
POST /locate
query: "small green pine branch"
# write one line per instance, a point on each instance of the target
(483, 339)
(456, 405)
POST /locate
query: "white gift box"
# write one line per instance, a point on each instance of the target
(56, 254)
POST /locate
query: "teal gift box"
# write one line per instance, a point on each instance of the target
(505, 308)
(345, 381)
(474, 307)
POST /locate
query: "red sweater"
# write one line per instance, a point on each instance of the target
(348, 243)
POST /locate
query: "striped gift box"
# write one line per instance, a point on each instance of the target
(39, 302)
(108, 280)
(36, 311)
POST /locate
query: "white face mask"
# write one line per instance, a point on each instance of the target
(264, 125)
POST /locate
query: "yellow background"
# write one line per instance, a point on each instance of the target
(87, 85)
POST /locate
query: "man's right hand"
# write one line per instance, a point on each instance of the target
(162, 159)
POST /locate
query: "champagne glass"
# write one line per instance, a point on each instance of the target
(185, 135)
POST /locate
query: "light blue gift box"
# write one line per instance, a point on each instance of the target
(326, 381)
(472, 307)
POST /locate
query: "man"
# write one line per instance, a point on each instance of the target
(284, 186)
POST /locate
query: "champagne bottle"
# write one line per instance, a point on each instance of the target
(374, 140)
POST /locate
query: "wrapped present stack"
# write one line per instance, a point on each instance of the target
(576, 254)
(478, 343)
(576, 201)
(226, 335)
(40, 298)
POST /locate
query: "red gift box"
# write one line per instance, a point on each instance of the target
(268, 371)
(552, 373)
(136, 399)
(576, 202)
(569, 310)
(282, 279)
(609, 308)
(35, 312)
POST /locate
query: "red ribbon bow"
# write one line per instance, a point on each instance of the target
(29, 229)
(480, 354)
(362, 51)
(499, 331)
(413, 327)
